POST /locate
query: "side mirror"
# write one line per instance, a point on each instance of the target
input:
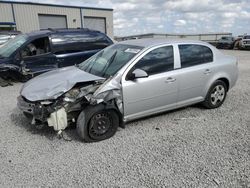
(137, 73)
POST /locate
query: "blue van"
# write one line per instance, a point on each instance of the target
(28, 55)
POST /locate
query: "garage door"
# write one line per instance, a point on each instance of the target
(94, 23)
(52, 21)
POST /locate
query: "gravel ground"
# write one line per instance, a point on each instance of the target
(190, 147)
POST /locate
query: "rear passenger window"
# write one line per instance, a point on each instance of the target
(192, 54)
(157, 61)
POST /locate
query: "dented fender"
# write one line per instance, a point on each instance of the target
(10, 71)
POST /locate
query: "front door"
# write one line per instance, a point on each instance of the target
(37, 58)
(155, 93)
(39, 64)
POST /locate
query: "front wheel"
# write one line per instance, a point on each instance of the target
(216, 95)
(96, 123)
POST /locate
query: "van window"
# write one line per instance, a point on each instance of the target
(157, 61)
(76, 42)
(36, 47)
(193, 54)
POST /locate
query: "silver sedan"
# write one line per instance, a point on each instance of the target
(127, 81)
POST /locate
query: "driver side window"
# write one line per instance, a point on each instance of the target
(36, 47)
(157, 61)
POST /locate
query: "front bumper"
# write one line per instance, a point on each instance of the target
(25, 106)
(10, 71)
(38, 111)
(48, 114)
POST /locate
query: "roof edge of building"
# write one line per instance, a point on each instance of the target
(56, 5)
(175, 34)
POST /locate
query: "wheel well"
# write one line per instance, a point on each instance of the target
(225, 80)
(112, 106)
(119, 115)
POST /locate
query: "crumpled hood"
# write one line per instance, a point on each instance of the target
(53, 84)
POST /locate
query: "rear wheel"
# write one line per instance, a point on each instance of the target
(216, 95)
(96, 123)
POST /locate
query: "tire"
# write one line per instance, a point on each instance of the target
(95, 123)
(216, 95)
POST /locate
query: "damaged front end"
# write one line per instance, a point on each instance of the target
(9, 73)
(63, 111)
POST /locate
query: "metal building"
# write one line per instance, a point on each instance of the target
(207, 37)
(29, 16)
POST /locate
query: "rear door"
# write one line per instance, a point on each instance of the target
(73, 58)
(157, 92)
(75, 47)
(196, 69)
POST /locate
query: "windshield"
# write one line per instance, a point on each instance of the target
(12, 45)
(107, 62)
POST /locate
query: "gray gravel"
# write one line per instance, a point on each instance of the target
(190, 147)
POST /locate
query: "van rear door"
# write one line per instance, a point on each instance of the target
(75, 47)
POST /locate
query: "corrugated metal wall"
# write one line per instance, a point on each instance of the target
(6, 13)
(103, 14)
(27, 16)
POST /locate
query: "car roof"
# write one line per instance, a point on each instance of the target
(63, 30)
(155, 42)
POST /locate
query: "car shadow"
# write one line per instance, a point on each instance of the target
(179, 110)
(18, 119)
(70, 133)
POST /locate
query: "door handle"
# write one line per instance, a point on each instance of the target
(170, 80)
(207, 71)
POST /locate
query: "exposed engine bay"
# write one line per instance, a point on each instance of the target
(59, 113)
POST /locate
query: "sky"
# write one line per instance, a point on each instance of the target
(172, 16)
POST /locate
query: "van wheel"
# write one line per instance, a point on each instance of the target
(216, 95)
(95, 123)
